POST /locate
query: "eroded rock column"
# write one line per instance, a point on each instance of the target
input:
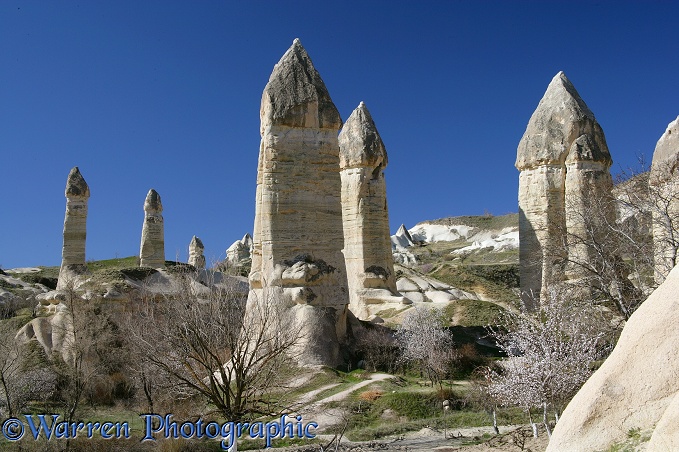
(297, 243)
(367, 242)
(152, 249)
(563, 159)
(664, 180)
(75, 228)
(196, 250)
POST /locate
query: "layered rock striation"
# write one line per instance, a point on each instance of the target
(196, 256)
(297, 258)
(152, 249)
(664, 179)
(75, 228)
(367, 244)
(564, 162)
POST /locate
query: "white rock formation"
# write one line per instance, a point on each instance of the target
(637, 387)
(152, 249)
(367, 244)
(53, 333)
(400, 242)
(297, 255)
(563, 159)
(196, 250)
(239, 252)
(665, 177)
(75, 228)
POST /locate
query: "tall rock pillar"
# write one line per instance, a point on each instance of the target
(75, 228)
(664, 180)
(367, 242)
(196, 256)
(563, 159)
(297, 256)
(152, 249)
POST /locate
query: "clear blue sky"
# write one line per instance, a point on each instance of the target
(166, 94)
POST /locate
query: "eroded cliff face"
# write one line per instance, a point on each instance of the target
(665, 177)
(152, 249)
(298, 239)
(636, 387)
(367, 242)
(563, 159)
(75, 228)
(196, 253)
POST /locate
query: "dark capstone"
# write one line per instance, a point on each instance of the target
(378, 271)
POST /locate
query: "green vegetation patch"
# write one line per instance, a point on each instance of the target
(495, 282)
(474, 312)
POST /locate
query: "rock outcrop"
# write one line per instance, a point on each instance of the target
(152, 249)
(297, 258)
(637, 387)
(196, 250)
(53, 333)
(75, 229)
(367, 244)
(564, 161)
(400, 242)
(665, 179)
(240, 252)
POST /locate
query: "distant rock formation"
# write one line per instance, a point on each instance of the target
(75, 228)
(196, 257)
(297, 255)
(400, 242)
(152, 249)
(635, 388)
(564, 161)
(665, 176)
(240, 252)
(367, 246)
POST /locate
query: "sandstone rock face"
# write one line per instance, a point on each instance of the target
(636, 387)
(196, 257)
(53, 333)
(152, 250)
(297, 255)
(563, 158)
(665, 176)
(367, 243)
(75, 228)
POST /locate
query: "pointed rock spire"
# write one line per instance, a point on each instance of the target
(564, 160)
(367, 244)
(296, 95)
(76, 185)
(297, 258)
(560, 118)
(75, 228)
(360, 143)
(152, 249)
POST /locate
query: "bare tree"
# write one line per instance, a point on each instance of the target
(378, 347)
(207, 343)
(550, 353)
(424, 339)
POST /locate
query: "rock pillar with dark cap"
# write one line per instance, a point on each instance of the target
(297, 242)
(152, 250)
(563, 159)
(367, 242)
(75, 228)
(196, 257)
